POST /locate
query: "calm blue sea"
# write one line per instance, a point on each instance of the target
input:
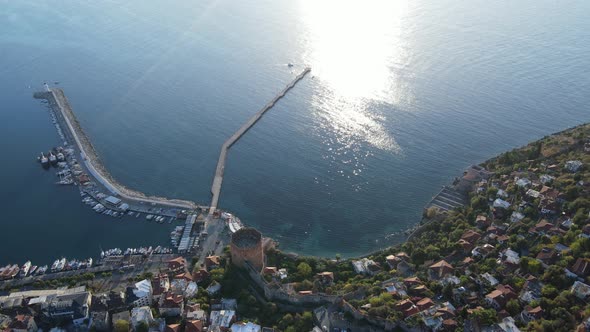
(404, 94)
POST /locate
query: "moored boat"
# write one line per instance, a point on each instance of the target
(24, 270)
(52, 158)
(44, 160)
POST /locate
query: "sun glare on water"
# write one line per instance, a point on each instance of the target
(352, 47)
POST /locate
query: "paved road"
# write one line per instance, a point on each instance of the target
(140, 266)
(214, 243)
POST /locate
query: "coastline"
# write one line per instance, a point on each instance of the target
(424, 222)
(91, 158)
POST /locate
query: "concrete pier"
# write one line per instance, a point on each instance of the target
(90, 160)
(218, 179)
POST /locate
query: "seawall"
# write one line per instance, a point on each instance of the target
(58, 101)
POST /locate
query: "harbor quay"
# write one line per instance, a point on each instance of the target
(206, 230)
(83, 168)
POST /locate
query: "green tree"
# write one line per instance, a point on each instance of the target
(142, 327)
(304, 269)
(479, 203)
(513, 307)
(485, 316)
(121, 326)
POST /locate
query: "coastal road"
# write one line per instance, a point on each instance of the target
(149, 264)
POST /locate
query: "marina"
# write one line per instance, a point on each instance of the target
(63, 264)
(78, 164)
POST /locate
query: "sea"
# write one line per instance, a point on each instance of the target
(403, 96)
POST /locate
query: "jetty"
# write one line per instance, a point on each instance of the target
(218, 179)
(89, 158)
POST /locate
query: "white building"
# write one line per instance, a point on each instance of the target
(573, 165)
(221, 318)
(143, 291)
(500, 203)
(283, 273)
(363, 266)
(524, 182)
(141, 314)
(245, 327)
(545, 178)
(516, 216)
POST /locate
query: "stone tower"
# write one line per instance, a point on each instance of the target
(246, 245)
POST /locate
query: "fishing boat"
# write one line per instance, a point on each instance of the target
(55, 265)
(52, 158)
(24, 270)
(42, 270)
(44, 161)
(61, 265)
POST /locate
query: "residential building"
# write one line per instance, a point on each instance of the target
(440, 269)
(212, 262)
(500, 296)
(580, 289)
(141, 314)
(245, 327)
(160, 285)
(177, 265)
(22, 323)
(194, 325)
(365, 266)
(171, 304)
(74, 306)
(573, 165)
(222, 318)
(143, 293)
(581, 267)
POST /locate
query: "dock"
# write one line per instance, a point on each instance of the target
(186, 240)
(89, 158)
(219, 170)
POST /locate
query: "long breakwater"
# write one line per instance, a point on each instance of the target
(219, 170)
(90, 160)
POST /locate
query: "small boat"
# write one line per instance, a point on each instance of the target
(42, 270)
(44, 160)
(289, 65)
(52, 158)
(33, 269)
(24, 270)
(149, 217)
(55, 265)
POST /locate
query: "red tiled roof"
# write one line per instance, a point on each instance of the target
(581, 267)
(172, 328)
(194, 326)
